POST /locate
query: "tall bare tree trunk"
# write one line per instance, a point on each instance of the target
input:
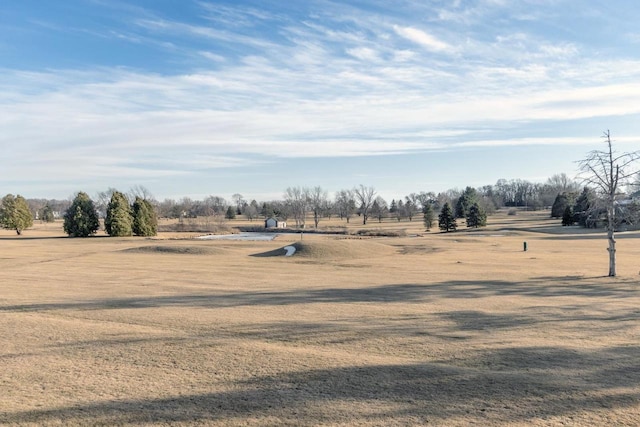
(607, 171)
(612, 241)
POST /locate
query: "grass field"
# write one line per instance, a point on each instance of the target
(434, 329)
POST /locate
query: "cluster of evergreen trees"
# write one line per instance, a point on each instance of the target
(575, 208)
(467, 207)
(81, 219)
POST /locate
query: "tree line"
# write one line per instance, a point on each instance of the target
(297, 205)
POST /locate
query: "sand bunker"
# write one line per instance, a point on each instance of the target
(333, 249)
(184, 250)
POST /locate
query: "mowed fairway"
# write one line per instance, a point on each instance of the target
(438, 329)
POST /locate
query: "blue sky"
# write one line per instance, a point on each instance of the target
(195, 97)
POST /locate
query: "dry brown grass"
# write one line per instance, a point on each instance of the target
(444, 329)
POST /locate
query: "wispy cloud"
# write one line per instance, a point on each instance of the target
(327, 83)
(422, 38)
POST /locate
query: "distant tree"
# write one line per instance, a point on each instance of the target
(317, 200)
(607, 171)
(559, 205)
(468, 197)
(280, 209)
(561, 183)
(296, 201)
(145, 220)
(446, 219)
(15, 213)
(425, 198)
(231, 213)
(365, 197)
(401, 212)
(119, 220)
(102, 201)
(393, 207)
(81, 219)
(345, 205)
(410, 206)
(142, 192)
(238, 199)
(476, 217)
(46, 214)
(428, 216)
(266, 211)
(567, 216)
(584, 206)
(251, 211)
(379, 208)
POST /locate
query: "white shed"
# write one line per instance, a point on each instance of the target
(274, 223)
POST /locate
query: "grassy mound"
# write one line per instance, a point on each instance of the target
(183, 250)
(335, 249)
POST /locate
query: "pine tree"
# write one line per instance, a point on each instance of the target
(567, 216)
(559, 205)
(428, 216)
(468, 197)
(584, 204)
(46, 214)
(118, 222)
(476, 217)
(15, 213)
(81, 219)
(231, 213)
(145, 220)
(446, 219)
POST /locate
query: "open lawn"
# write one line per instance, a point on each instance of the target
(441, 329)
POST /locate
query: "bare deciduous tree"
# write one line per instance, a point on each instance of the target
(296, 201)
(365, 197)
(345, 204)
(317, 198)
(607, 171)
(140, 191)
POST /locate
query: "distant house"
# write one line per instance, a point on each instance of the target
(274, 223)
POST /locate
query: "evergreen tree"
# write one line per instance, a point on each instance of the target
(119, 220)
(15, 213)
(400, 212)
(145, 220)
(428, 216)
(584, 203)
(476, 217)
(46, 214)
(567, 216)
(446, 219)
(231, 213)
(393, 207)
(559, 205)
(468, 197)
(81, 219)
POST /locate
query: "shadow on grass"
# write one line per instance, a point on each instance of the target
(493, 386)
(395, 293)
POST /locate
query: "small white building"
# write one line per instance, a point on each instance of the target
(274, 223)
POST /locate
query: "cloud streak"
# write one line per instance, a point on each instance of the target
(422, 38)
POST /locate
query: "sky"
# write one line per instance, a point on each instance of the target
(205, 97)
